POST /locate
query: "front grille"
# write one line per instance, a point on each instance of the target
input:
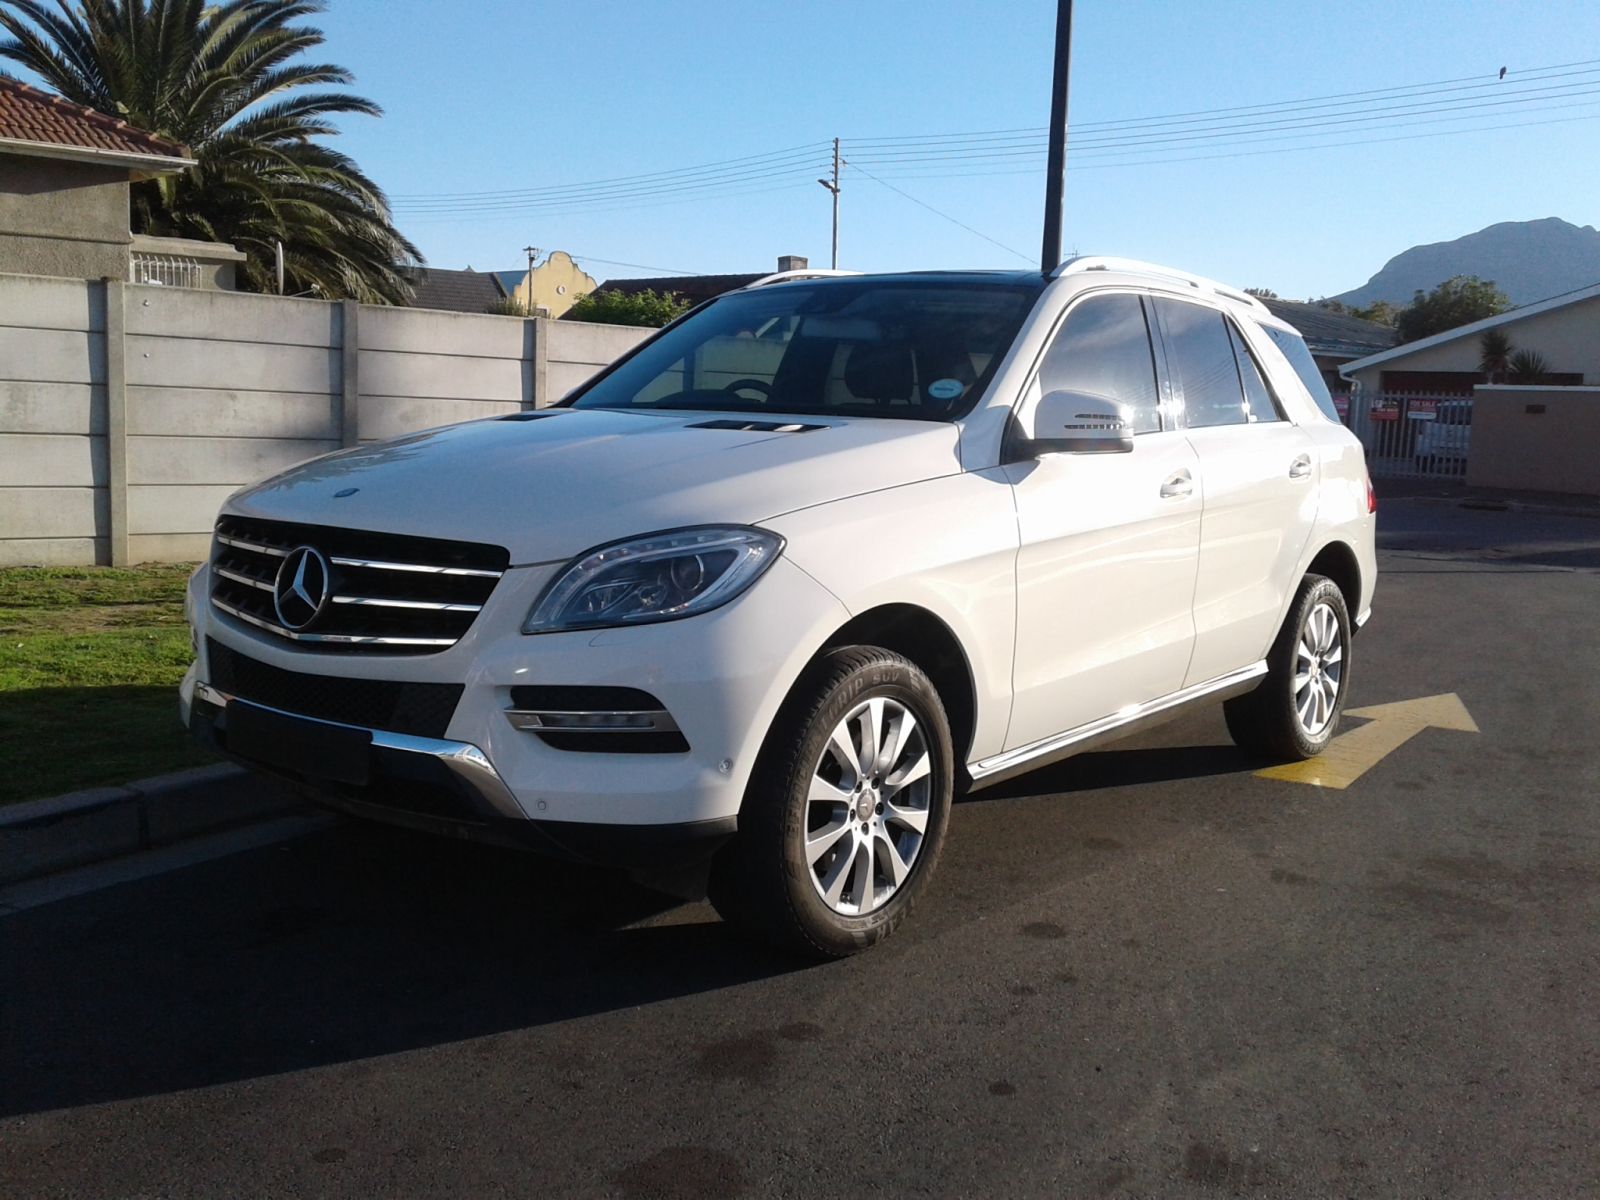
(382, 592)
(421, 709)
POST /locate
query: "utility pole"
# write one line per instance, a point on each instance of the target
(1055, 183)
(533, 253)
(833, 186)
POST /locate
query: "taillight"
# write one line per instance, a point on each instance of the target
(1372, 497)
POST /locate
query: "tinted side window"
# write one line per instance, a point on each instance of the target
(1294, 349)
(1200, 357)
(1104, 348)
(1257, 395)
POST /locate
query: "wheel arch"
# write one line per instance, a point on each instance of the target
(1337, 561)
(921, 636)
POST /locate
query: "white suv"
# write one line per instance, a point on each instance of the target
(769, 590)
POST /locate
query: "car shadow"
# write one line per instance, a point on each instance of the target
(350, 943)
(1122, 768)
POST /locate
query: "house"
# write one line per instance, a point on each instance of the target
(1564, 330)
(466, 291)
(65, 171)
(556, 283)
(698, 288)
(1334, 338)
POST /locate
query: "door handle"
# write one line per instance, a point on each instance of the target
(1300, 468)
(1177, 485)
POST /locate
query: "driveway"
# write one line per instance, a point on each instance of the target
(1143, 972)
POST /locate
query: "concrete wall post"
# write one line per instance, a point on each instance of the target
(539, 381)
(116, 346)
(349, 373)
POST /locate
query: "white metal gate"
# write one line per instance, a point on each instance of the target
(1416, 435)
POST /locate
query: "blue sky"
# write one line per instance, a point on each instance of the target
(502, 95)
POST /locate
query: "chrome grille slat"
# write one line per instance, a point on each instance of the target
(382, 592)
(418, 568)
(253, 547)
(346, 639)
(422, 605)
(248, 580)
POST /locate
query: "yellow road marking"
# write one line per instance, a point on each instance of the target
(1389, 726)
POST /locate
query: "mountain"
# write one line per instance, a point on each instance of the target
(1529, 260)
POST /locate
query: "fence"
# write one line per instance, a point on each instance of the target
(128, 412)
(1413, 435)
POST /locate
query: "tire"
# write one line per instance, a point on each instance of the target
(1269, 720)
(811, 900)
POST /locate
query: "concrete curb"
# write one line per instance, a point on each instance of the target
(39, 837)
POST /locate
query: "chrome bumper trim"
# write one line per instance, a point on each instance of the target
(465, 761)
(591, 721)
(1074, 741)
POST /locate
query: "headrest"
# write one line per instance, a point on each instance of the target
(878, 371)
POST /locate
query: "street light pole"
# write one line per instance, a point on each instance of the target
(533, 253)
(1056, 172)
(833, 186)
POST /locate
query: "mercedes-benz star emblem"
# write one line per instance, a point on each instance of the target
(301, 590)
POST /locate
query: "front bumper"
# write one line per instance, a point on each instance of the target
(721, 676)
(452, 788)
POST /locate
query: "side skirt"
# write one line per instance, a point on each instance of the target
(1010, 763)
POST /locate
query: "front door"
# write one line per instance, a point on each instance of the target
(1109, 542)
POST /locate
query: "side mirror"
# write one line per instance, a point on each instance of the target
(1079, 423)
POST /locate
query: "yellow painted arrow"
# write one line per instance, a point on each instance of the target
(1389, 726)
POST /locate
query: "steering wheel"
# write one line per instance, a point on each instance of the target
(764, 390)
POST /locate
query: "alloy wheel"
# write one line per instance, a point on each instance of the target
(1319, 670)
(867, 807)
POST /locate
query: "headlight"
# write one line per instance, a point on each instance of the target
(655, 578)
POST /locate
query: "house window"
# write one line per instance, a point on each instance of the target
(164, 270)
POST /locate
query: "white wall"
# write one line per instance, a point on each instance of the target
(121, 447)
(53, 471)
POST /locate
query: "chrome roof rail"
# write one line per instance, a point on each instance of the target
(802, 273)
(1132, 266)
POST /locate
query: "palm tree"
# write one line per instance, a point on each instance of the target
(1494, 354)
(224, 79)
(1527, 366)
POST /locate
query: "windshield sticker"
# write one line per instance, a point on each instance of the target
(946, 389)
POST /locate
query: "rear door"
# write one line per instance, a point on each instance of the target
(1106, 565)
(1260, 473)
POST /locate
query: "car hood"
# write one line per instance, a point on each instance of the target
(550, 485)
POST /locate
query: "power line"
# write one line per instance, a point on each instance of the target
(724, 162)
(1146, 162)
(936, 212)
(611, 262)
(1470, 80)
(1240, 132)
(1155, 136)
(1136, 155)
(795, 169)
(624, 205)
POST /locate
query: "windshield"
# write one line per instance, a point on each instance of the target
(920, 350)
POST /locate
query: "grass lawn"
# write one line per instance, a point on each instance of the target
(90, 659)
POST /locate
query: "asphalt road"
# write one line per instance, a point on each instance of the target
(1145, 972)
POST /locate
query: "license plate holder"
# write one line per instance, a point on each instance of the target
(314, 749)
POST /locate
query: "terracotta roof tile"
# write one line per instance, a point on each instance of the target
(29, 115)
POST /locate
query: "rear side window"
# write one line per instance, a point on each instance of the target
(1294, 349)
(1258, 398)
(1200, 358)
(1104, 349)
